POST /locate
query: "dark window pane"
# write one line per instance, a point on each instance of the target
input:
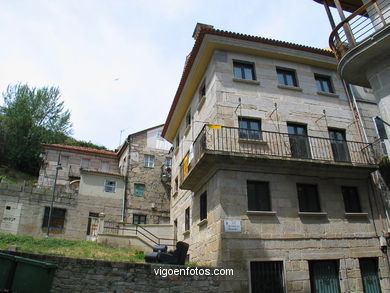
(267, 277)
(308, 198)
(258, 196)
(187, 219)
(249, 129)
(369, 272)
(203, 206)
(339, 145)
(299, 142)
(351, 199)
(286, 77)
(57, 218)
(324, 276)
(323, 84)
(243, 70)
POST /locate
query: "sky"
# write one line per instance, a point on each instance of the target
(118, 63)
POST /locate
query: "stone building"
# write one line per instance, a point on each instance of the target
(145, 158)
(271, 171)
(129, 186)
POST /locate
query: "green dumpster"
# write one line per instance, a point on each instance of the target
(7, 268)
(32, 276)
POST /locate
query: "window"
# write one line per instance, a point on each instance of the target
(187, 219)
(85, 163)
(308, 198)
(267, 277)
(57, 218)
(109, 186)
(139, 190)
(149, 161)
(299, 142)
(105, 166)
(202, 90)
(324, 83)
(339, 145)
(244, 70)
(64, 161)
(324, 276)
(168, 162)
(188, 118)
(176, 184)
(369, 271)
(258, 196)
(249, 129)
(351, 199)
(203, 206)
(287, 77)
(177, 141)
(139, 219)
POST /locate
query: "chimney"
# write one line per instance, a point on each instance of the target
(199, 26)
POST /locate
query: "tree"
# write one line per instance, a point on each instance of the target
(31, 116)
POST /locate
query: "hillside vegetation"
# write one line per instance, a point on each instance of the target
(69, 248)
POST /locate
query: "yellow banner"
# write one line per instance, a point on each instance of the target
(214, 126)
(185, 166)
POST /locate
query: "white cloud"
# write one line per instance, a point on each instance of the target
(83, 46)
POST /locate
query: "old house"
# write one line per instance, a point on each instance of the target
(129, 186)
(271, 172)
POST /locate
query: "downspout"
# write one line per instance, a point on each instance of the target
(127, 178)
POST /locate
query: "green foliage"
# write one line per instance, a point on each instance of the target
(82, 143)
(69, 248)
(31, 116)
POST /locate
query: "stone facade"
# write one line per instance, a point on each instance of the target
(97, 182)
(210, 159)
(22, 211)
(144, 158)
(72, 160)
(84, 276)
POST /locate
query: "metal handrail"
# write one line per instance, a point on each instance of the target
(345, 36)
(236, 141)
(139, 230)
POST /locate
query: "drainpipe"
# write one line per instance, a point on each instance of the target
(127, 178)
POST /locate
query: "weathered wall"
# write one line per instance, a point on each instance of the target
(84, 276)
(155, 202)
(32, 203)
(72, 168)
(93, 185)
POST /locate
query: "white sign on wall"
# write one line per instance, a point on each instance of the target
(232, 225)
(11, 217)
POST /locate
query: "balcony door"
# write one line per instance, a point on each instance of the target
(299, 142)
(339, 145)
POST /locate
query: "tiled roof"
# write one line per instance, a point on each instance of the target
(79, 149)
(211, 31)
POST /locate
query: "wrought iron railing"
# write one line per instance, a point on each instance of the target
(242, 142)
(359, 26)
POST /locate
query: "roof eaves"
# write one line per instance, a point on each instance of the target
(211, 31)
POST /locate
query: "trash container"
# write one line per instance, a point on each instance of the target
(7, 268)
(32, 276)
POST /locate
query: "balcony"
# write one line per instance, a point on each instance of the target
(227, 143)
(360, 38)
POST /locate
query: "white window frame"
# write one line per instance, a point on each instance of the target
(109, 187)
(149, 161)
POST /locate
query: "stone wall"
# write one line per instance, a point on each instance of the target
(155, 202)
(29, 204)
(83, 275)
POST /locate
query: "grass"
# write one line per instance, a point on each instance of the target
(13, 176)
(69, 248)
